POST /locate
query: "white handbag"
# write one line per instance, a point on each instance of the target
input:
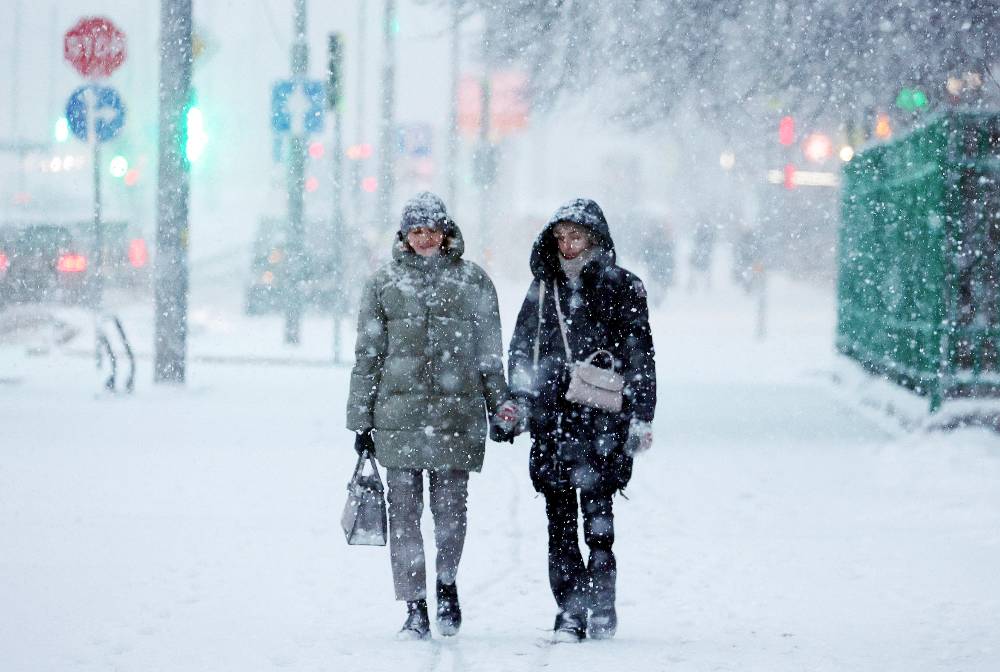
(589, 385)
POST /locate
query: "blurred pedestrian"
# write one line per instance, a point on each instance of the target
(428, 369)
(581, 303)
(702, 245)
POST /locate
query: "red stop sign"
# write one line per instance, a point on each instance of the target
(94, 46)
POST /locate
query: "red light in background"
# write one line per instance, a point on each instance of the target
(786, 131)
(4, 263)
(370, 185)
(818, 147)
(316, 150)
(883, 128)
(138, 255)
(312, 184)
(361, 151)
(72, 263)
(131, 177)
(789, 176)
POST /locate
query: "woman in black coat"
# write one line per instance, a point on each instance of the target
(580, 456)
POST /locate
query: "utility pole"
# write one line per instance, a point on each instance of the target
(359, 132)
(452, 167)
(172, 193)
(295, 232)
(486, 155)
(333, 99)
(387, 146)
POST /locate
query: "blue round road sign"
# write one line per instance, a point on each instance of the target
(95, 106)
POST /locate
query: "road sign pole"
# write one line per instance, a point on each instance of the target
(455, 48)
(387, 145)
(360, 115)
(98, 251)
(334, 85)
(295, 235)
(172, 194)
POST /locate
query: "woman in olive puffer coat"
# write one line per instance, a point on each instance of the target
(427, 374)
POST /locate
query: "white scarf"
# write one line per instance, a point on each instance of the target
(574, 267)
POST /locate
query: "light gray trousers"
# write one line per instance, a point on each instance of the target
(449, 493)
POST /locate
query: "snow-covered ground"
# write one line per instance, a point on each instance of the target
(776, 525)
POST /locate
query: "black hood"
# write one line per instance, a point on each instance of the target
(583, 212)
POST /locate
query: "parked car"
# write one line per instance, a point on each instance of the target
(6, 252)
(272, 271)
(45, 263)
(55, 262)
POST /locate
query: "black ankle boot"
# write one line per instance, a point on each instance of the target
(449, 613)
(603, 623)
(418, 623)
(569, 627)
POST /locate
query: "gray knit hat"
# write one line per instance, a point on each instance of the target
(426, 210)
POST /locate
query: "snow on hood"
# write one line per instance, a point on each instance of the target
(583, 212)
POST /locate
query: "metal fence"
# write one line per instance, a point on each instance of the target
(919, 258)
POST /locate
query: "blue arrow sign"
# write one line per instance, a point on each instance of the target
(297, 106)
(97, 109)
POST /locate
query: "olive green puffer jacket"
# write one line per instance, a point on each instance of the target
(428, 364)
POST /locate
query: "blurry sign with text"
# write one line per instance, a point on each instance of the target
(297, 107)
(95, 47)
(96, 110)
(414, 139)
(510, 108)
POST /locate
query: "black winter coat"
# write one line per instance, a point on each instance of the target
(574, 445)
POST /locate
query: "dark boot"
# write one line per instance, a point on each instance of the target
(603, 623)
(418, 623)
(449, 613)
(569, 627)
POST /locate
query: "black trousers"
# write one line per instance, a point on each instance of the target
(576, 586)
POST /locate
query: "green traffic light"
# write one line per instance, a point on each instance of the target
(911, 99)
(62, 130)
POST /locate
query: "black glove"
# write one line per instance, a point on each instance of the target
(500, 435)
(363, 443)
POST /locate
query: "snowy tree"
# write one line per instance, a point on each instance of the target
(734, 60)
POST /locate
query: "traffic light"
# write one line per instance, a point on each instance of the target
(61, 132)
(911, 100)
(333, 71)
(195, 137)
(118, 166)
(883, 129)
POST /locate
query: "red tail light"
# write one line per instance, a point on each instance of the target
(138, 255)
(4, 262)
(72, 263)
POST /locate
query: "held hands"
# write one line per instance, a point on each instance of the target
(640, 437)
(363, 443)
(510, 420)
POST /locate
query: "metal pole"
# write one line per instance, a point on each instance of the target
(452, 169)
(359, 132)
(387, 147)
(295, 236)
(337, 231)
(15, 51)
(172, 193)
(97, 288)
(337, 220)
(487, 158)
(15, 97)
